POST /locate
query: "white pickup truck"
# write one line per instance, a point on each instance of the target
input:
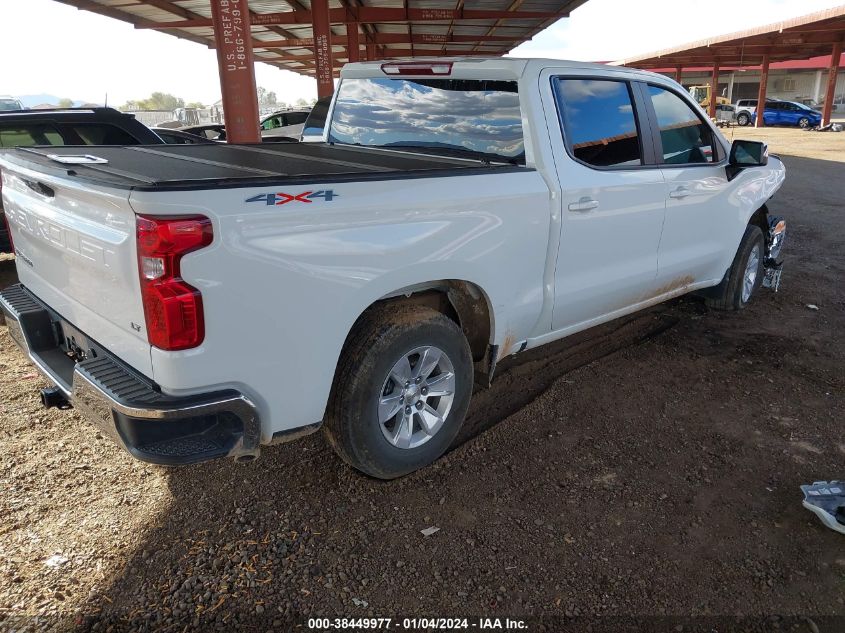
(200, 301)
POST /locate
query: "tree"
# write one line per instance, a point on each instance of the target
(266, 98)
(195, 104)
(164, 101)
(156, 101)
(301, 103)
(65, 103)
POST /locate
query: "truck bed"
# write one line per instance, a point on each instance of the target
(180, 167)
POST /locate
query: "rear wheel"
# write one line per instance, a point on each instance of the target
(745, 274)
(743, 119)
(401, 391)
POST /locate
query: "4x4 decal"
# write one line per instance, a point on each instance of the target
(277, 199)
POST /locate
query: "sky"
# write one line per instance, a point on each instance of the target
(49, 47)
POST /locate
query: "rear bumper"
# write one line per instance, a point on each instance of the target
(151, 425)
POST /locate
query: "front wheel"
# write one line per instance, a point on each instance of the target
(402, 389)
(745, 274)
(804, 123)
(743, 119)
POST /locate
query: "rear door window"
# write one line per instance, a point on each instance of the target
(295, 118)
(686, 138)
(29, 135)
(600, 127)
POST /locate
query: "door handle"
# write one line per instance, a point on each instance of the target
(584, 204)
(680, 192)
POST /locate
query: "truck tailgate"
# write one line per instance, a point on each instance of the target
(76, 251)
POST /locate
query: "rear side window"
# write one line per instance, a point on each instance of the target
(685, 137)
(295, 118)
(598, 121)
(30, 135)
(102, 134)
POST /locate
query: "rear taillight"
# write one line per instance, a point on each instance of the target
(6, 218)
(172, 308)
(8, 231)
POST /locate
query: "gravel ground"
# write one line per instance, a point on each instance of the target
(649, 468)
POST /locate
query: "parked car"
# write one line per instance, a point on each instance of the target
(72, 126)
(9, 104)
(178, 137)
(725, 112)
(745, 110)
(285, 123)
(229, 297)
(789, 113)
(209, 131)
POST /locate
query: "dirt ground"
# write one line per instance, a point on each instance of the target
(649, 468)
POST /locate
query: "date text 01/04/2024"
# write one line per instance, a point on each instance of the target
(412, 624)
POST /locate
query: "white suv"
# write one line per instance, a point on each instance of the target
(745, 109)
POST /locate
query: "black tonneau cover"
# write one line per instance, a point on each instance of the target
(156, 167)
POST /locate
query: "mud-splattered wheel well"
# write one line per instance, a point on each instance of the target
(461, 301)
(760, 218)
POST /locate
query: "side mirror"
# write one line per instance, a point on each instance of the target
(749, 154)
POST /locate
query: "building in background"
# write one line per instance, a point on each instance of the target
(798, 80)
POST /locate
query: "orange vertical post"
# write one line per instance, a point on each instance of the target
(322, 47)
(679, 73)
(761, 95)
(714, 91)
(237, 70)
(353, 46)
(832, 73)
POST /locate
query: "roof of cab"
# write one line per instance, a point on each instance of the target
(494, 67)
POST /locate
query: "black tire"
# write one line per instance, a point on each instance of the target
(743, 119)
(729, 295)
(803, 123)
(377, 342)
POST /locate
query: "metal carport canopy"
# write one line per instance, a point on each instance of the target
(820, 33)
(316, 37)
(282, 31)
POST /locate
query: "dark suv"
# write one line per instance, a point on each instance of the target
(73, 126)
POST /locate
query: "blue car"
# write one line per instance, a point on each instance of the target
(790, 113)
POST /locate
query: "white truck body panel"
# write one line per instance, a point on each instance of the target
(76, 251)
(282, 286)
(309, 282)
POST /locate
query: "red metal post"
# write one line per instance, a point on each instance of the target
(371, 51)
(679, 73)
(832, 74)
(237, 70)
(761, 95)
(322, 47)
(352, 44)
(714, 91)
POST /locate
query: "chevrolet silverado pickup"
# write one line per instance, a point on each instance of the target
(200, 301)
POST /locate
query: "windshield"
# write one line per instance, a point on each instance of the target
(698, 93)
(7, 105)
(471, 116)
